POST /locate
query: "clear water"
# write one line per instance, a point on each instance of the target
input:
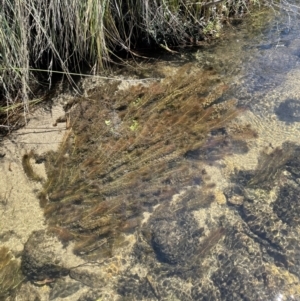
(189, 189)
(249, 247)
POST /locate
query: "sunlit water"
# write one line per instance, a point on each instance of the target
(264, 74)
(220, 221)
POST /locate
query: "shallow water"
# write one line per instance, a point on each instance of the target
(260, 259)
(249, 247)
(189, 189)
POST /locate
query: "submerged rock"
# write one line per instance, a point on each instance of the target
(170, 253)
(287, 204)
(175, 240)
(41, 259)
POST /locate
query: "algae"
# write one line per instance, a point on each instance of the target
(122, 156)
(27, 167)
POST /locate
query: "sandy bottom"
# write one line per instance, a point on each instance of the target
(19, 207)
(272, 132)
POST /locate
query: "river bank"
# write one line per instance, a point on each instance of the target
(81, 39)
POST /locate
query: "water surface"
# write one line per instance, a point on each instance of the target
(187, 188)
(244, 244)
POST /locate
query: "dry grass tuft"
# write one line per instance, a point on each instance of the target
(38, 38)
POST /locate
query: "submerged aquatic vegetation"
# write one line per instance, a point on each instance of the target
(10, 273)
(105, 175)
(27, 167)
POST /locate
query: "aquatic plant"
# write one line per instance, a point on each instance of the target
(105, 174)
(27, 167)
(270, 165)
(10, 273)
